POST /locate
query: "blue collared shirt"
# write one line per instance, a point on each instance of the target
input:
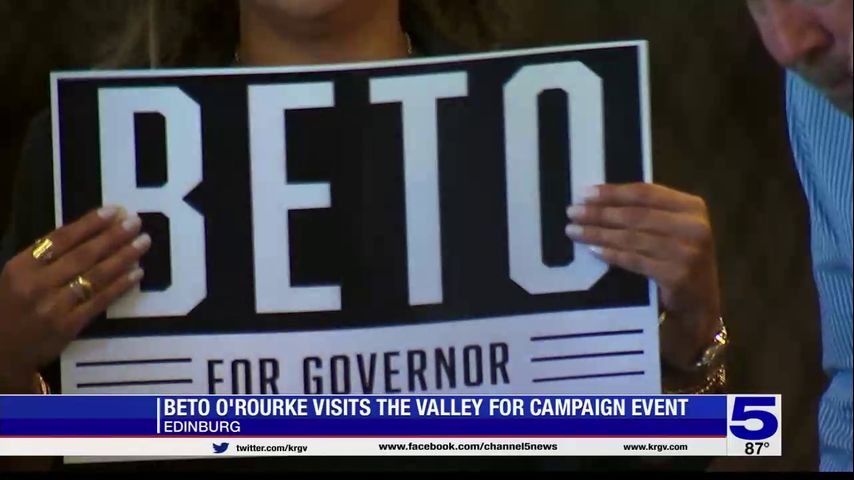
(821, 139)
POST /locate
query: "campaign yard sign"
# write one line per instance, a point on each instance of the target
(364, 228)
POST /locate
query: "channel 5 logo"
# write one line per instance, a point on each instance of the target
(754, 417)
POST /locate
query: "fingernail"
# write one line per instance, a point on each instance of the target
(132, 223)
(108, 212)
(574, 211)
(574, 231)
(136, 275)
(589, 193)
(142, 242)
(597, 250)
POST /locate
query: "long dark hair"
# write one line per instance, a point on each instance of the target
(190, 33)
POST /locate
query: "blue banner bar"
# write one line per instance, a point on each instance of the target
(364, 416)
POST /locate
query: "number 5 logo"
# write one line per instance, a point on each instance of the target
(746, 409)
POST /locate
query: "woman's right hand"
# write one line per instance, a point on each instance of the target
(41, 312)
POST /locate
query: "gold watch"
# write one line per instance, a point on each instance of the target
(712, 354)
(710, 364)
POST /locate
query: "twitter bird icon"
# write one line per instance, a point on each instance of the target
(220, 448)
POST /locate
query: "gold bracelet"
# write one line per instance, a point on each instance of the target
(712, 353)
(41, 385)
(715, 382)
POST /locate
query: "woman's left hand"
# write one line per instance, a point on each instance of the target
(665, 235)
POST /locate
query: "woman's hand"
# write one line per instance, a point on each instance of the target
(665, 235)
(42, 310)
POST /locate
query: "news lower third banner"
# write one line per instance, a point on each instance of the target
(199, 426)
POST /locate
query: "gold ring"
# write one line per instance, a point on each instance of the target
(82, 288)
(43, 250)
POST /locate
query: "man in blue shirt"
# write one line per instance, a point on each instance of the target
(813, 40)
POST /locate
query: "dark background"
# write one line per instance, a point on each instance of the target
(718, 131)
